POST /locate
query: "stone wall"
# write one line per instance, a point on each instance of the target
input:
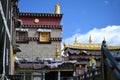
(33, 49)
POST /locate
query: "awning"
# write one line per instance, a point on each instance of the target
(20, 29)
(44, 30)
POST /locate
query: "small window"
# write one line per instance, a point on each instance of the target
(44, 37)
(21, 36)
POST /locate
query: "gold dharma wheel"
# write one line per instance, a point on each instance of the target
(36, 20)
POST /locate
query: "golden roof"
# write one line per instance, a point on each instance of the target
(88, 46)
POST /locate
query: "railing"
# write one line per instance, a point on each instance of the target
(15, 77)
(110, 66)
(90, 75)
(11, 77)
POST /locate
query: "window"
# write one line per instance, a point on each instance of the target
(44, 37)
(21, 36)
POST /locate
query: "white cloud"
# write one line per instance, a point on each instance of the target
(106, 2)
(111, 34)
(76, 31)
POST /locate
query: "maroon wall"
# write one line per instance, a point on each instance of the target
(42, 20)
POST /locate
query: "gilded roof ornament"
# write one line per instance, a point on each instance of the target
(57, 53)
(90, 40)
(92, 62)
(104, 39)
(76, 40)
(87, 46)
(57, 9)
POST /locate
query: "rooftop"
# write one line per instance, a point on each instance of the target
(88, 46)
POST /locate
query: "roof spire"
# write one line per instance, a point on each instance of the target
(76, 40)
(104, 38)
(90, 40)
(57, 9)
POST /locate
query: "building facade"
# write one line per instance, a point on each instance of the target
(39, 35)
(39, 38)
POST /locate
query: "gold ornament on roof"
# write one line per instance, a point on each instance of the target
(76, 40)
(104, 38)
(57, 54)
(90, 40)
(92, 62)
(90, 46)
(57, 9)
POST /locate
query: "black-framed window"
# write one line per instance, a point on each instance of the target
(21, 36)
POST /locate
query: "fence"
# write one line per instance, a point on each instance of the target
(110, 66)
(91, 75)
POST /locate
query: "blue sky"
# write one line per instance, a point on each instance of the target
(81, 18)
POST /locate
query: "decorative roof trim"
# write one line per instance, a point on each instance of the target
(37, 38)
(21, 29)
(56, 39)
(33, 38)
(42, 26)
(44, 30)
(40, 14)
(89, 47)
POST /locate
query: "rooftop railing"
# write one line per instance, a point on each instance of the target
(110, 65)
(90, 75)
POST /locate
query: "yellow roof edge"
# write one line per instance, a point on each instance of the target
(89, 46)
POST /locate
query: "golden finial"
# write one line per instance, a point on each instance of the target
(92, 62)
(64, 44)
(104, 38)
(57, 9)
(57, 54)
(90, 40)
(76, 40)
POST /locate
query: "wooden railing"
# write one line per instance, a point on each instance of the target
(90, 75)
(110, 66)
